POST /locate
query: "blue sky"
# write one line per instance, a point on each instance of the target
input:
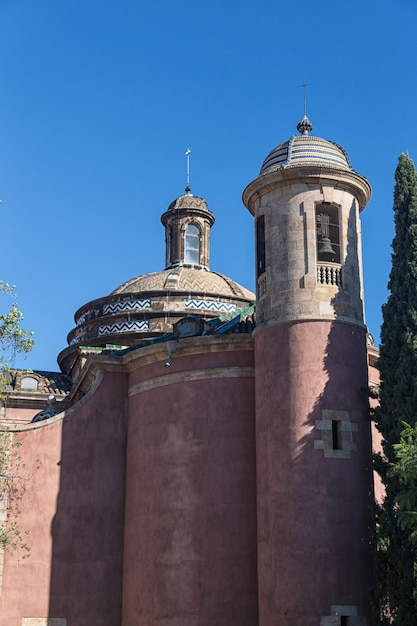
(99, 99)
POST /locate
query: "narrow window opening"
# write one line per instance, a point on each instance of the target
(336, 443)
(169, 247)
(260, 245)
(344, 620)
(328, 233)
(192, 244)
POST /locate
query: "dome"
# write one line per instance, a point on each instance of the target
(305, 149)
(148, 306)
(189, 201)
(186, 279)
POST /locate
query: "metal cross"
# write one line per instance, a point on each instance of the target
(304, 85)
(187, 175)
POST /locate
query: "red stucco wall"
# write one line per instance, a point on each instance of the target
(190, 541)
(314, 513)
(141, 501)
(74, 508)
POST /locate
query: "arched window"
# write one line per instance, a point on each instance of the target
(28, 382)
(192, 244)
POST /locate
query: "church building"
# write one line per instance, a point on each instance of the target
(204, 456)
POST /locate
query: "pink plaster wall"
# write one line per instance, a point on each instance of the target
(190, 539)
(314, 513)
(74, 508)
(165, 480)
(374, 380)
(22, 415)
(26, 583)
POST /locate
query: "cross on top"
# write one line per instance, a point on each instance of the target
(304, 86)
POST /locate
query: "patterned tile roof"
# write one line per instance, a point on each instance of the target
(188, 201)
(187, 279)
(306, 150)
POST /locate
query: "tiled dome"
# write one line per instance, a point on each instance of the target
(148, 306)
(305, 149)
(188, 201)
(185, 279)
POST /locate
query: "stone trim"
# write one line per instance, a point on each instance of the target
(44, 621)
(343, 615)
(135, 359)
(191, 376)
(346, 429)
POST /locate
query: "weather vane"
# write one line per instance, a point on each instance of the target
(187, 161)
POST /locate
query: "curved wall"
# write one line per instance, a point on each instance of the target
(190, 531)
(73, 505)
(314, 501)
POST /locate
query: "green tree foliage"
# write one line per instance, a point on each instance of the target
(405, 469)
(12, 487)
(396, 590)
(13, 340)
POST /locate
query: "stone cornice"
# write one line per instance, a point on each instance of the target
(135, 358)
(191, 376)
(142, 356)
(338, 178)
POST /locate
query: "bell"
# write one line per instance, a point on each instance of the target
(326, 247)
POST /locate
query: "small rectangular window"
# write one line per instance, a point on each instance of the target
(344, 620)
(336, 443)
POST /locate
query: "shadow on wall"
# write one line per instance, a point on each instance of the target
(338, 429)
(87, 529)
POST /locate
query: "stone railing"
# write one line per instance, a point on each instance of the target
(329, 274)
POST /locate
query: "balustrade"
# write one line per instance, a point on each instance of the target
(329, 274)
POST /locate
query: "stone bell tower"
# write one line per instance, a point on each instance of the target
(313, 446)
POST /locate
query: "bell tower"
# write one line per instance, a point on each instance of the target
(313, 445)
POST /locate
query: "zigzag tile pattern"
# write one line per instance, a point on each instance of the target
(123, 327)
(209, 305)
(130, 305)
(199, 281)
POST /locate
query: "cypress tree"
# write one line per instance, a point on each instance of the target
(396, 590)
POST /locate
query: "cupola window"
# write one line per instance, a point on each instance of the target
(192, 244)
(328, 233)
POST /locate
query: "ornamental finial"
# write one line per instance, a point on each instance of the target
(304, 126)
